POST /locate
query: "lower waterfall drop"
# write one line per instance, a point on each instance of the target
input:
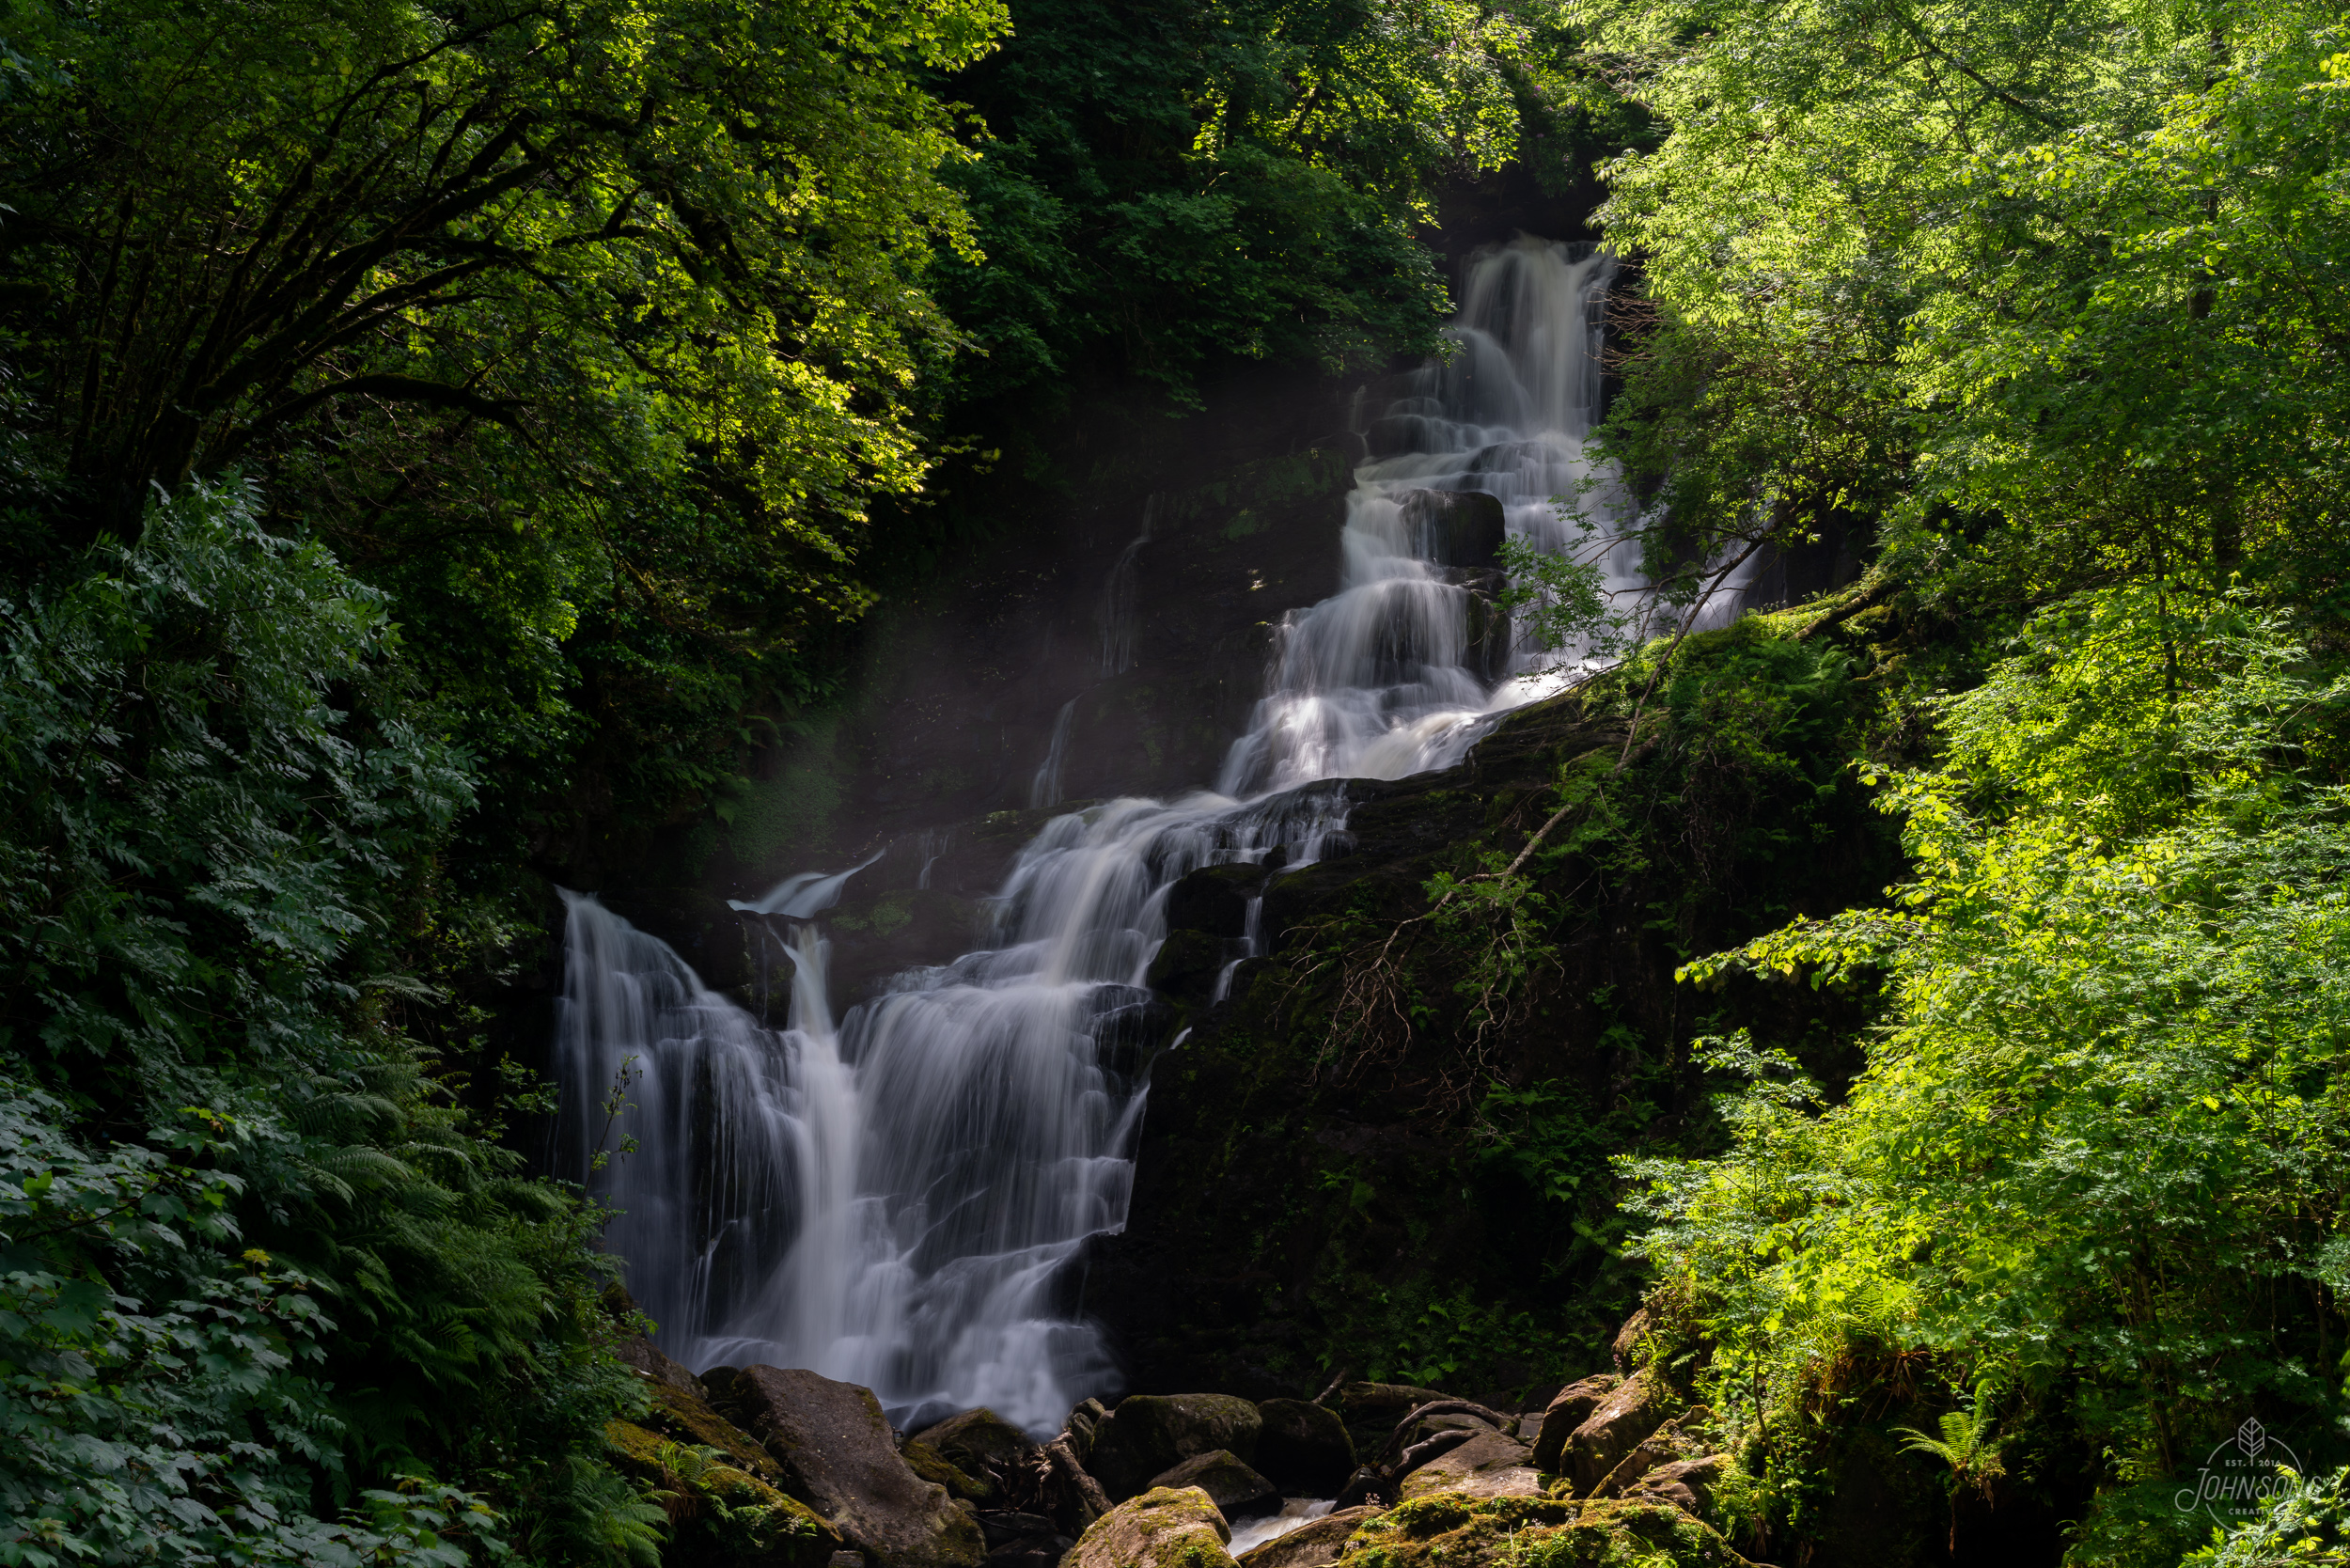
(897, 1201)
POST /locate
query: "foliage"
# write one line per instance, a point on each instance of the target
(1560, 605)
(2308, 1521)
(2096, 1151)
(1969, 1443)
(2035, 293)
(588, 332)
(203, 865)
(1169, 185)
(183, 1423)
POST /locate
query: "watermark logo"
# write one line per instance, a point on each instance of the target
(2240, 1477)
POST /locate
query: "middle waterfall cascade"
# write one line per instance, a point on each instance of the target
(897, 1201)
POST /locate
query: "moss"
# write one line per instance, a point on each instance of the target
(686, 1419)
(722, 1513)
(1459, 1531)
(936, 1469)
(637, 1449)
(1167, 1527)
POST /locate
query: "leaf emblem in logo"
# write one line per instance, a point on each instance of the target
(2252, 1438)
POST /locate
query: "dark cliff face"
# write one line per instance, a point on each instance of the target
(1317, 1194)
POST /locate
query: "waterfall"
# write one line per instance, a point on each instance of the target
(898, 1200)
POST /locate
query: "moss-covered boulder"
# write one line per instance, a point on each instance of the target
(1305, 1447)
(1235, 1488)
(681, 1414)
(1165, 1527)
(1691, 1485)
(1150, 1434)
(936, 1469)
(722, 1515)
(976, 1439)
(1459, 1531)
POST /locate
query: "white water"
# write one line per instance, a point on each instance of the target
(1296, 1514)
(899, 1201)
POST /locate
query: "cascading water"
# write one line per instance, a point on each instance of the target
(897, 1202)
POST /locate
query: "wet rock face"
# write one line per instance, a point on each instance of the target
(1304, 1447)
(837, 1454)
(1213, 900)
(1150, 1434)
(1187, 964)
(1161, 1529)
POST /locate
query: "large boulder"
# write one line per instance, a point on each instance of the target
(977, 1440)
(1161, 1529)
(654, 1367)
(1315, 1545)
(1487, 1466)
(1234, 1488)
(1148, 1433)
(1303, 1446)
(1570, 1408)
(835, 1448)
(1631, 1413)
(765, 1528)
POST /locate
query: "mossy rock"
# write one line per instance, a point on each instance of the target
(1165, 1528)
(682, 1418)
(978, 1438)
(1460, 1531)
(935, 1467)
(724, 1513)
